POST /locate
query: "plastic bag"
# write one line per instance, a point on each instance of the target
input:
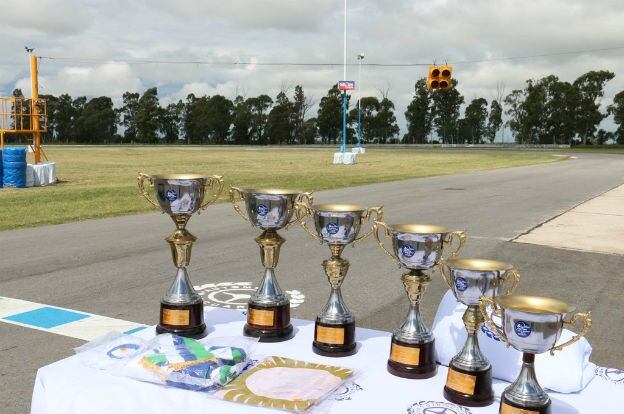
(199, 365)
(286, 384)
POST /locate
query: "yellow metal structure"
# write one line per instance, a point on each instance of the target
(25, 116)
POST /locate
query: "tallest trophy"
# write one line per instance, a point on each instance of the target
(181, 196)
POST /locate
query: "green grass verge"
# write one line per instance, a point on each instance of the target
(101, 182)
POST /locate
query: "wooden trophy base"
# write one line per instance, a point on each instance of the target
(415, 361)
(334, 340)
(508, 407)
(269, 323)
(183, 320)
(469, 388)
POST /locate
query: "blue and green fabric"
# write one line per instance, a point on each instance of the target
(187, 363)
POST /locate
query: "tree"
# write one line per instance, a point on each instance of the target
(603, 136)
(51, 102)
(280, 123)
(97, 122)
(418, 114)
(495, 120)
(517, 115)
(476, 118)
(370, 106)
(127, 114)
(171, 121)
(147, 117)
(617, 110)
(445, 112)
(387, 128)
(310, 131)
(220, 116)
(241, 121)
(329, 116)
(560, 119)
(300, 106)
(258, 108)
(64, 117)
(590, 88)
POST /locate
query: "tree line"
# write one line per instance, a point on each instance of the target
(545, 111)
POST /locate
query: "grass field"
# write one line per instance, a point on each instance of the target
(101, 181)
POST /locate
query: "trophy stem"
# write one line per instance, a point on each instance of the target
(412, 351)
(182, 308)
(334, 333)
(525, 392)
(268, 310)
(469, 380)
(470, 357)
(414, 329)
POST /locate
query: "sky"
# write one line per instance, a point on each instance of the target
(100, 37)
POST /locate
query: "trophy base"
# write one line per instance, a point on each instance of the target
(183, 320)
(414, 361)
(334, 340)
(508, 407)
(269, 323)
(469, 388)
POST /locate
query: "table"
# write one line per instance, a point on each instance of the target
(68, 386)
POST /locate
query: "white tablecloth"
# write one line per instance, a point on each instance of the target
(68, 386)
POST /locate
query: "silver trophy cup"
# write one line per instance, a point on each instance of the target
(469, 380)
(270, 210)
(336, 225)
(532, 325)
(417, 247)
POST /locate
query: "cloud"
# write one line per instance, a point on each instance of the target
(261, 15)
(53, 17)
(109, 79)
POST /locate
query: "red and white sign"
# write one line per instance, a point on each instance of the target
(346, 85)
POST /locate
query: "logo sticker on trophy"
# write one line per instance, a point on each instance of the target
(469, 380)
(336, 225)
(268, 309)
(181, 196)
(417, 247)
(532, 325)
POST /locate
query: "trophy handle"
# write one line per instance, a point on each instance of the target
(515, 279)
(236, 195)
(302, 210)
(212, 181)
(376, 225)
(141, 181)
(309, 199)
(587, 323)
(444, 270)
(483, 302)
(378, 217)
(460, 235)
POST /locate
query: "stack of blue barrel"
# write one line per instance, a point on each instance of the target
(14, 167)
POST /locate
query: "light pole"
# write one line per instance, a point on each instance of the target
(360, 58)
(343, 147)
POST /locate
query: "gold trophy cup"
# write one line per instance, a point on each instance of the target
(268, 310)
(532, 325)
(336, 225)
(181, 196)
(418, 248)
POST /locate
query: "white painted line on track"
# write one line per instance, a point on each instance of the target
(61, 321)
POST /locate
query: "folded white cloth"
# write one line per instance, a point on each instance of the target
(567, 371)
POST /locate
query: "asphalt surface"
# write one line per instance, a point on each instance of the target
(120, 267)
